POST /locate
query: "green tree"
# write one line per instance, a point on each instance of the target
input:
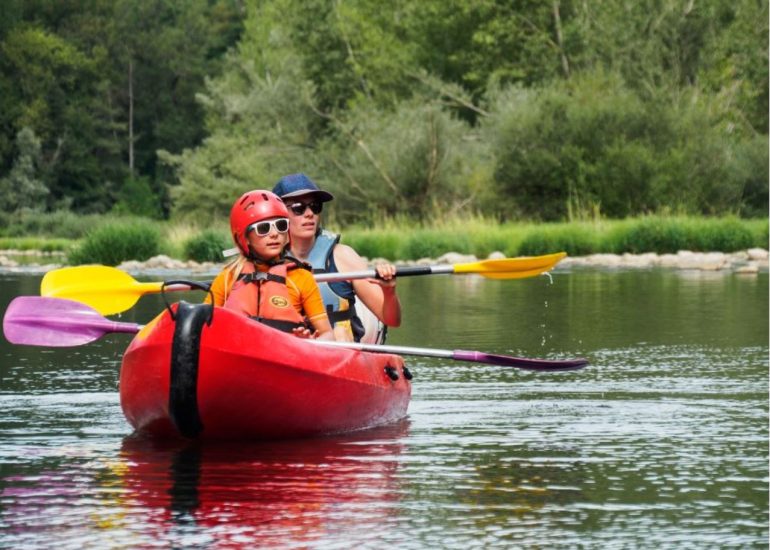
(64, 72)
(49, 88)
(416, 160)
(261, 122)
(22, 188)
(593, 144)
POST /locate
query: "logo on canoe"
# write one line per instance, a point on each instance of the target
(279, 301)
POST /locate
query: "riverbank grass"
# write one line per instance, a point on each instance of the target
(41, 244)
(403, 239)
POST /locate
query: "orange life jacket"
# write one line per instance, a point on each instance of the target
(263, 296)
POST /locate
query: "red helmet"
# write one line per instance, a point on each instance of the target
(252, 207)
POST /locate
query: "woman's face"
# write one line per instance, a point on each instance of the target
(269, 237)
(303, 217)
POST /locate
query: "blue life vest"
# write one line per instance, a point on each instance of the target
(338, 297)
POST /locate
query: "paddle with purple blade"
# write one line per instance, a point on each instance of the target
(56, 322)
(519, 362)
(545, 365)
(41, 321)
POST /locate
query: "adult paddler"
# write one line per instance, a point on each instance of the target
(322, 249)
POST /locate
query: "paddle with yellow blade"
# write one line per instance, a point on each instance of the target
(110, 290)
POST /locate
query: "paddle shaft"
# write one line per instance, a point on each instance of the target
(43, 321)
(407, 271)
(464, 355)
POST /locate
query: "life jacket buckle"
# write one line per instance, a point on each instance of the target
(255, 277)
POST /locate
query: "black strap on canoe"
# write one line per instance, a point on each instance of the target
(185, 354)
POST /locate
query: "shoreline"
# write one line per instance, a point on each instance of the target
(746, 262)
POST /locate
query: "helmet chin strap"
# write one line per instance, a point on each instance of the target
(257, 259)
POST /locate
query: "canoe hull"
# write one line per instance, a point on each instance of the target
(254, 382)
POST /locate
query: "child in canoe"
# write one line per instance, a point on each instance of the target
(265, 282)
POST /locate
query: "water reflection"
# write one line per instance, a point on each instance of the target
(661, 442)
(265, 493)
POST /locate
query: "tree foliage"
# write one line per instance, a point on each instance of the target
(592, 145)
(22, 188)
(64, 75)
(543, 109)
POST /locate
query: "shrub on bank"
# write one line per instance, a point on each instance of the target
(60, 223)
(574, 239)
(726, 235)
(649, 235)
(432, 243)
(669, 235)
(35, 243)
(207, 246)
(113, 244)
(374, 243)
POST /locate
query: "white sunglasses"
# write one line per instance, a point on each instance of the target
(281, 225)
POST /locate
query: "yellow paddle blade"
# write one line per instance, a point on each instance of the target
(106, 289)
(512, 268)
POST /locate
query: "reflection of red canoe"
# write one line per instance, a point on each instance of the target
(235, 378)
(276, 494)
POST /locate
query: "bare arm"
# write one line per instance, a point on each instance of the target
(313, 307)
(379, 295)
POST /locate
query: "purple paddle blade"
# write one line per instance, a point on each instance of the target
(519, 362)
(40, 321)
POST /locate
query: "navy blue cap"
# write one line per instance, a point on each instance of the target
(296, 185)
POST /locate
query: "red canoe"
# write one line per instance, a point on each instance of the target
(207, 373)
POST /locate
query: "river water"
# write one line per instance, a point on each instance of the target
(662, 442)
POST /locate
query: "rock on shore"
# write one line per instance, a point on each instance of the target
(753, 260)
(750, 261)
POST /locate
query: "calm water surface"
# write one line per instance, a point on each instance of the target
(661, 443)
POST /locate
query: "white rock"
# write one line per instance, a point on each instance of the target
(748, 269)
(606, 260)
(569, 261)
(668, 260)
(757, 254)
(496, 255)
(640, 260)
(456, 258)
(709, 261)
(713, 261)
(740, 256)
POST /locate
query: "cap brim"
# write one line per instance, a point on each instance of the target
(323, 196)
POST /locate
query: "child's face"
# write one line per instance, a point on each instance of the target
(269, 237)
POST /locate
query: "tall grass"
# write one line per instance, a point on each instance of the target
(36, 243)
(404, 239)
(113, 244)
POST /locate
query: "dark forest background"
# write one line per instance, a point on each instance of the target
(513, 110)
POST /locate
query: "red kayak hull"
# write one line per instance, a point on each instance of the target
(254, 382)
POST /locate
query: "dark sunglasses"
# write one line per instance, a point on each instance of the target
(263, 228)
(298, 208)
